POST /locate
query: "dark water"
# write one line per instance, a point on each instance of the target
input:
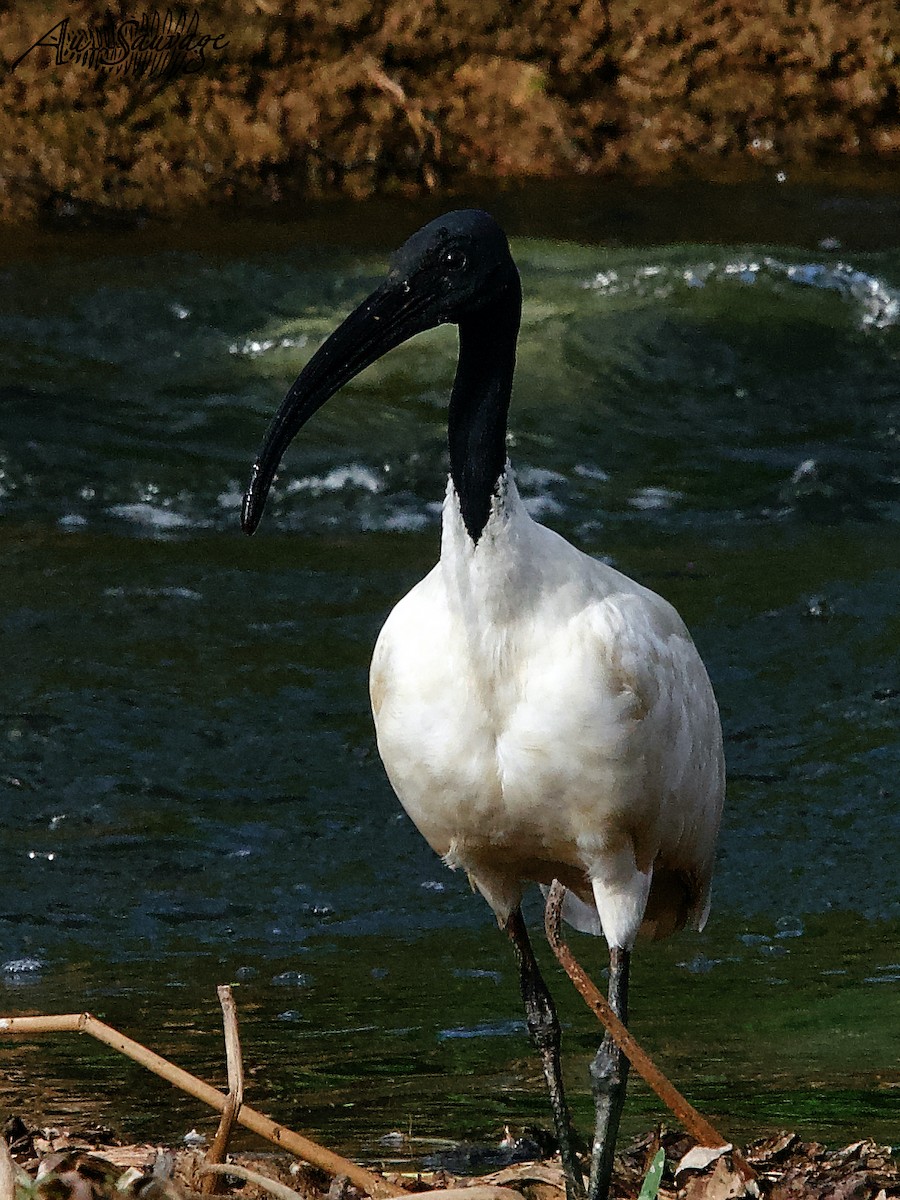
(708, 394)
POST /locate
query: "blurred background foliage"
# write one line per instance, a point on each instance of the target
(315, 96)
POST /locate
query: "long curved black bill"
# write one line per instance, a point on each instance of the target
(388, 317)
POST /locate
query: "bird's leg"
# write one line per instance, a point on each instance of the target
(609, 1078)
(543, 1026)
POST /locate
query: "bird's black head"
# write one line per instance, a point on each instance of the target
(452, 270)
(455, 266)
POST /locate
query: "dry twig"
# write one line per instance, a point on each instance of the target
(213, 1181)
(296, 1143)
(693, 1121)
(273, 1186)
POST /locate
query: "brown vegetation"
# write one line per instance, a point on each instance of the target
(315, 95)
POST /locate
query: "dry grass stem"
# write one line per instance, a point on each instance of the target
(693, 1121)
(274, 1186)
(213, 1181)
(233, 1057)
(256, 1122)
(478, 1191)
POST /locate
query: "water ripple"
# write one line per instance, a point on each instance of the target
(876, 301)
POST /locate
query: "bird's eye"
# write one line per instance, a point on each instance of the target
(454, 260)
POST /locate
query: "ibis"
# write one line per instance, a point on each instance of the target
(540, 715)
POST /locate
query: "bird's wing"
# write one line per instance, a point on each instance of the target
(671, 800)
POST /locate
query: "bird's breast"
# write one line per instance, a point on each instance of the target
(541, 715)
(509, 734)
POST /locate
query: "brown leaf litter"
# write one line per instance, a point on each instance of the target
(52, 1164)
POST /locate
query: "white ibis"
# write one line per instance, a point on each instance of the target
(540, 715)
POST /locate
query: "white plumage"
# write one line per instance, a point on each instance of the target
(540, 715)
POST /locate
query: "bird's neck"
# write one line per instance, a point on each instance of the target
(479, 404)
(490, 582)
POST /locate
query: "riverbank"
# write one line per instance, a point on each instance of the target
(268, 102)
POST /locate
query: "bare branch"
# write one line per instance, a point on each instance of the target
(295, 1143)
(694, 1122)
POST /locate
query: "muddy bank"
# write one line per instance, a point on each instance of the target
(257, 100)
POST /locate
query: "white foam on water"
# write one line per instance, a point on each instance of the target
(542, 506)
(254, 347)
(232, 497)
(352, 475)
(22, 966)
(402, 520)
(590, 471)
(152, 516)
(649, 498)
(876, 301)
(538, 477)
